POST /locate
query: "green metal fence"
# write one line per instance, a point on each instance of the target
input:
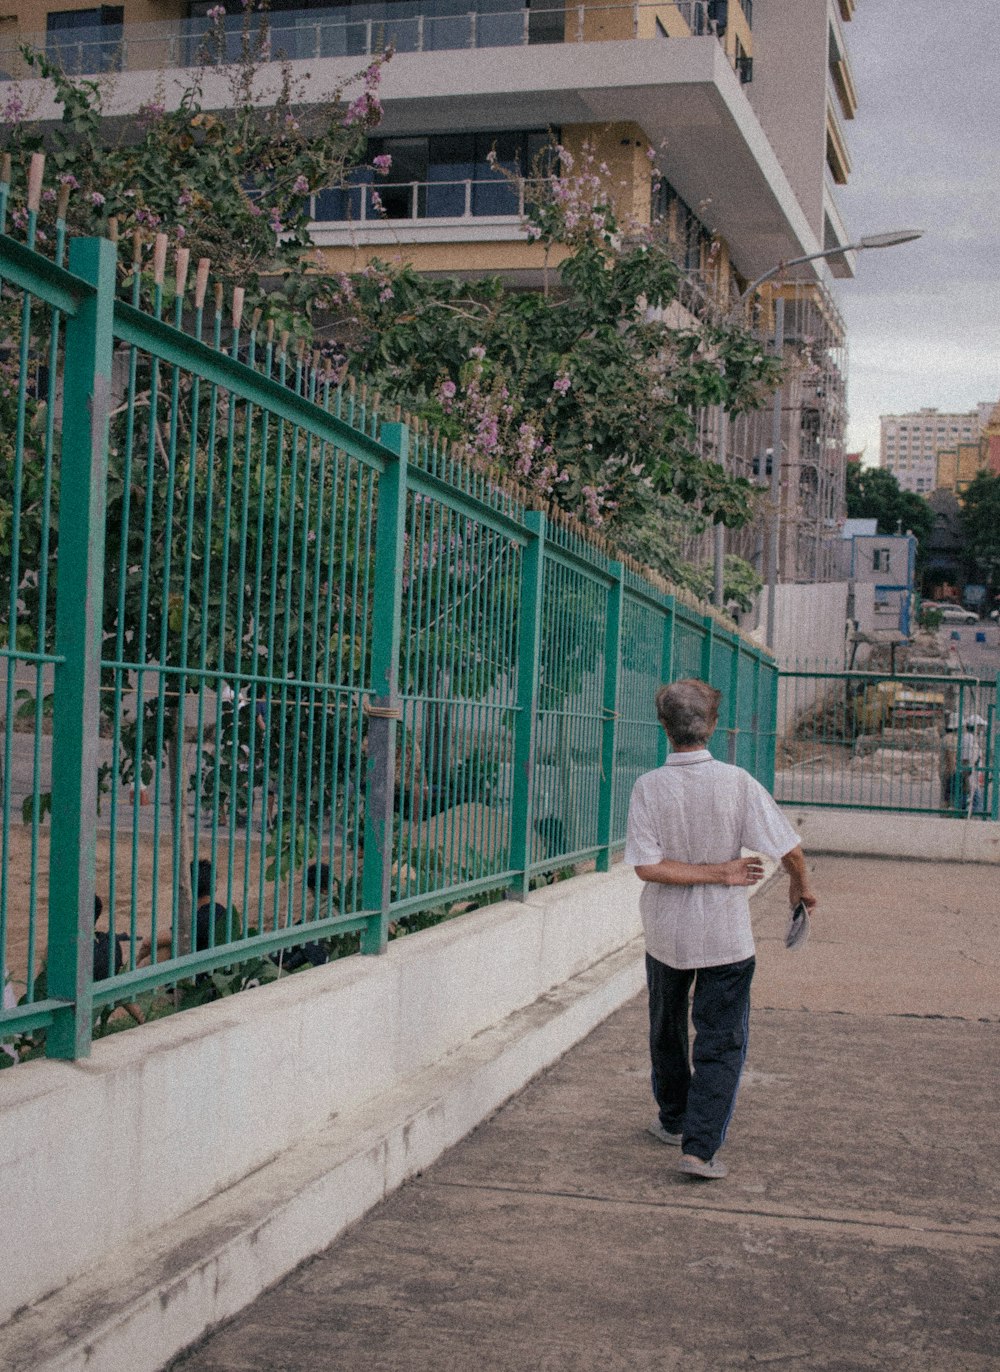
(874, 740)
(278, 669)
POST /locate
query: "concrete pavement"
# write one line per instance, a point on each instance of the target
(858, 1228)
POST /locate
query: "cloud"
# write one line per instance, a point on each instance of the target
(923, 319)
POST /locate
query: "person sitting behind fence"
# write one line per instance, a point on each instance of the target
(313, 954)
(102, 959)
(208, 912)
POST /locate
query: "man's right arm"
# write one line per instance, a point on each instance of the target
(794, 863)
(739, 872)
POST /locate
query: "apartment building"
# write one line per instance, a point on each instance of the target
(740, 104)
(910, 443)
(957, 467)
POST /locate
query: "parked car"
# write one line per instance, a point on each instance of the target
(955, 614)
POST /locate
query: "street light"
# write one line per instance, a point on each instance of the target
(873, 240)
(876, 240)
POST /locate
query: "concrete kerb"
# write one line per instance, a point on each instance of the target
(140, 1309)
(867, 833)
(154, 1294)
(151, 1294)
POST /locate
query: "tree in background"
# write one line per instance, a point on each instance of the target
(582, 392)
(981, 526)
(874, 493)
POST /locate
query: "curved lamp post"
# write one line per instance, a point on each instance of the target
(875, 240)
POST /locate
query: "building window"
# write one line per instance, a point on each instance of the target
(880, 559)
(684, 227)
(85, 40)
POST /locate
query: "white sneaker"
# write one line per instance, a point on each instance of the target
(664, 1135)
(698, 1167)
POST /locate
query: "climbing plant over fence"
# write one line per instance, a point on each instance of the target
(289, 641)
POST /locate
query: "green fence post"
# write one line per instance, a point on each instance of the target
(77, 678)
(380, 782)
(769, 719)
(995, 805)
(755, 718)
(609, 726)
(529, 628)
(707, 648)
(734, 701)
(666, 671)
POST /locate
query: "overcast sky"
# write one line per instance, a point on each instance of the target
(923, 319)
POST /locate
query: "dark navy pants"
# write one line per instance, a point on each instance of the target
(696, 1092)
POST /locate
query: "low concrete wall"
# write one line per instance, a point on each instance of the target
(863, 833)
(103, 1156)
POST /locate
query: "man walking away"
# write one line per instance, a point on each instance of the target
(687, 822)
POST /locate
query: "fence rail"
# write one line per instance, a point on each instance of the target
(278, 670)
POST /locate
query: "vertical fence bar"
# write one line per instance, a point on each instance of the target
(390, 525)
(666, 671)
(79, 603)
(529, 622)
(736, 666)
(610, 712)
(995, 740)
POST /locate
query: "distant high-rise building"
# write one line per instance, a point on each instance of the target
(910, 443)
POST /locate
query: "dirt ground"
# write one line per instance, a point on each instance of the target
(446, 846)
(18, 871)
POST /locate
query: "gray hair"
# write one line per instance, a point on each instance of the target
(689, 711)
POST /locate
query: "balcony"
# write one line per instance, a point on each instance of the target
(471, 208)
(363, 30)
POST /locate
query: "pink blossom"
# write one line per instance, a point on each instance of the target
(385, 294)
(13, 110)
(562, 384)
(216, 12)
(300, 186)
(382, 163)
(97, 199)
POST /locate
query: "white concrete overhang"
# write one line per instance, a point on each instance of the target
(835, 232)
(682, 92)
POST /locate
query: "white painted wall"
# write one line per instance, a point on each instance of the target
(103, 1153)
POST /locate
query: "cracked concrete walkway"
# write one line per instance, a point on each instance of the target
(858, 1228)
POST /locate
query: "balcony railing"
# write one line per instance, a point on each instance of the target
(359, 31)
(391, 202)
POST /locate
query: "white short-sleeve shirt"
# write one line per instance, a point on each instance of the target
(695, 809)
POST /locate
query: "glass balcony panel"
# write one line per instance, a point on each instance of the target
(446, 199)
(546, 23)
(503, 30)
(338, 205)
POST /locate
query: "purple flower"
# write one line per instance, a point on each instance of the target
(300, 186)
(382, 163)
(97, 199)
(561, 384)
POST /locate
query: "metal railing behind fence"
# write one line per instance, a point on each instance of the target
(405, 26)
(278, 670)
(874, 740)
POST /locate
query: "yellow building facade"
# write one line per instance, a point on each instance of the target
(959, 466)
